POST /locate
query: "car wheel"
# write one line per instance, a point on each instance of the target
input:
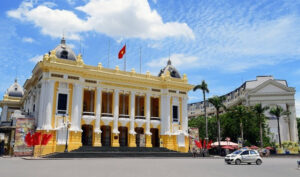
(237, 161)
(258, 162)
(228, 163)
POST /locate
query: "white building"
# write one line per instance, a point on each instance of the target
(267, 91)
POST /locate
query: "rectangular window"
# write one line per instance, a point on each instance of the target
(62, 103)
(88, 102)
(175, 113)
(154, 107)
(106, 104)
(123, 105)
(139, 106)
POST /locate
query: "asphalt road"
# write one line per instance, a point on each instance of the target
(145, 167)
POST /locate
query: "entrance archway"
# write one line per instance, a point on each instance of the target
(139, 131)
(87, 135)
(155, 137)
(123, 137)
(106, 136)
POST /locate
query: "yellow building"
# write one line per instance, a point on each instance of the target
(106, 107)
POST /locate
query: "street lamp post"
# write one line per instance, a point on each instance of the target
(67, 124)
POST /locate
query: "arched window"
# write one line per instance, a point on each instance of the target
(64, 54)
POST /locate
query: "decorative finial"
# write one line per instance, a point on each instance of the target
(16, 80)
(169, 62)
(63, 41)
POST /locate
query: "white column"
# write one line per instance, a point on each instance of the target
(148, 114)
(41, 104)
(37, 102)
(76, 108)
(116, 111)
(132, 112)
(165, 113)
(293, 123)
(48, 105)
(4, 113)
(98, 110)
(184, 122)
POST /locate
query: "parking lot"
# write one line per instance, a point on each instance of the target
(146, 167)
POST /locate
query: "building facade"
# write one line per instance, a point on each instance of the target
(97, 106)
(267, 91)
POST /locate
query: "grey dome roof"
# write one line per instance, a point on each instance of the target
(15, 90)
(63, 51)
(173, 71)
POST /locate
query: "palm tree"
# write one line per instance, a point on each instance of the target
(278, 112)
(204, 88)
(241, 112)
(217, 102)
(259, 112)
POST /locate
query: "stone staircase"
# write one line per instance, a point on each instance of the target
(116, 152)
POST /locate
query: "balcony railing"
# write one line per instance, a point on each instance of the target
(155, 118)
(61, 111)
(88, 113)
(140, 117)
(124, 116)
(106, 115)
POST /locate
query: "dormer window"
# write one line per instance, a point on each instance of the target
(16, 89)
(64, 54)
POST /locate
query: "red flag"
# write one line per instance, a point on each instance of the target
(204, 143)
(122, 52)
(28, 139)
(46, 138)
(209, 145)
(198, 144)
(36, 138)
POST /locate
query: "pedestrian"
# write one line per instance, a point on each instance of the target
(2, 148)
(194, 151)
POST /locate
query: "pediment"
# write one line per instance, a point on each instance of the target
(272, 86)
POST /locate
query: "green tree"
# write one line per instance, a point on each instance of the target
(235, 120)
(199, 123)
(298, 125)
(259, 113)
(204, 88)
(217, 102)
(278, 112)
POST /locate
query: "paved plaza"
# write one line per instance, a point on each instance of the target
(145, 167)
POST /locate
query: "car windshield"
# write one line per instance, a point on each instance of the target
(237, 152)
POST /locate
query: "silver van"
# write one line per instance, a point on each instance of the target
(243, 156)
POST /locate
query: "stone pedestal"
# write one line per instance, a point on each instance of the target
(148, 141)
(115, 140)
(132, 140)
(97, 139)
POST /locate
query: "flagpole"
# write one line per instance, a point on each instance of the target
(140, 59)
(108, 53)
(125, 58)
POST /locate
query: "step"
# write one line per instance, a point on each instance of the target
(117, 154)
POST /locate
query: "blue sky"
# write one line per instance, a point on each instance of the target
(224, 42)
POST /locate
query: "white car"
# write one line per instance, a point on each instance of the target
(243, 156)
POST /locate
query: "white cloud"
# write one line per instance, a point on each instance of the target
(71, 2)
(28, 39)
(154, 1)
(36, 58)
(115, 18)
(178, 60)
